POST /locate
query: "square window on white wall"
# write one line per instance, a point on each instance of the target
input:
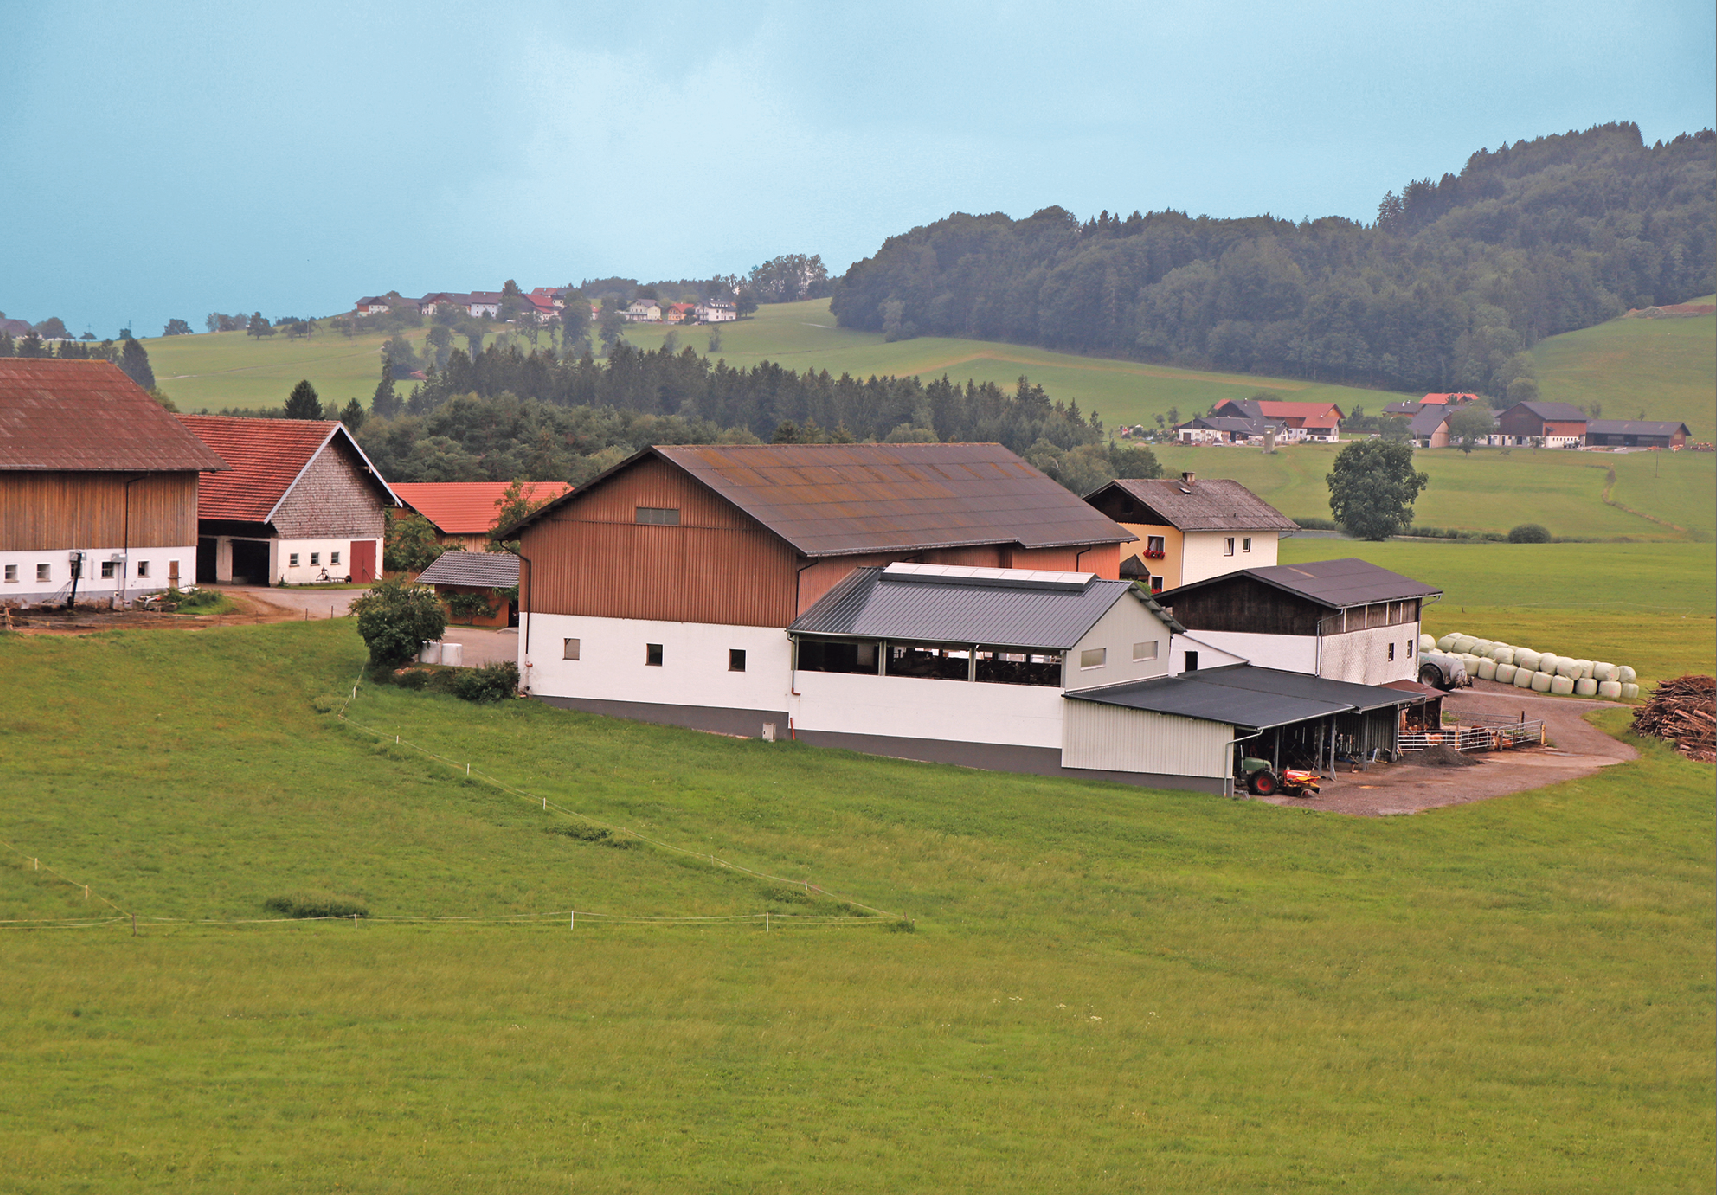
(44, 572)
(569, 649)
(142, 568)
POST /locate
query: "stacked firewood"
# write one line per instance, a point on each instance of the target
(1684, 711)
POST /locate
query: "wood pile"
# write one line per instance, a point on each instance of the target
(1684, 711)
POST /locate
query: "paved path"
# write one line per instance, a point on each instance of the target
(484, 646)
(1576, 749)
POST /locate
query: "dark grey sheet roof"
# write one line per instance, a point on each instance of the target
(1633, 427)
(1337, 584)
(964, 608)
(497, 570)
(1206, 504)
(1555, 412)
(1248, 697)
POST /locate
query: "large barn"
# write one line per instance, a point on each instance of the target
(301, 504)
(98, 485)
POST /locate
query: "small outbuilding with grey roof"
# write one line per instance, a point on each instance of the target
(464, 579)
(1346, 619)
(1635, 433)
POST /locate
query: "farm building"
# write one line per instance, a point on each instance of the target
(98, 485)
(475, 587)
(1557, 424)
(1190, 530)
(716, 312)
(301, 504)
(1220, 429)
(1346, 620)
(645, 311)
(463, 512)
(1635, 433)
(1296, 420)
(702, 550)
(1430, 427)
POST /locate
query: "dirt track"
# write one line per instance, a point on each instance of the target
(1576, 749)
(254, 605)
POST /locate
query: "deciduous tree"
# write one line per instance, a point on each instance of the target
(396, 620)
(1373, 487)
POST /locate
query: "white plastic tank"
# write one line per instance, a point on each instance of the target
(453, 654)
(431, 653)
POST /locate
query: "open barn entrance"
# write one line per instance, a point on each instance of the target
(250, 562)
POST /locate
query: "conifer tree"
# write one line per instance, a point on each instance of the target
(302, 403)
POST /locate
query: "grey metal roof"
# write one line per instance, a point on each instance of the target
(494, 570)
(1337, 584)
(870, 604)
(1213, 504)
(1555, 412)
(847, 499)
(1429, 419)
(1248, 697)
(1633, 427)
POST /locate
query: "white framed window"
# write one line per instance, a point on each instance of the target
(11, 574)
(44, 572)
(569, 649)
(1146, 650)
(1228, 546)
(1246, 544)
(315, 558)
(1093, 657)
(142, 568)
(292, 560)
(107, 568)
(652, 655)
(333, 558)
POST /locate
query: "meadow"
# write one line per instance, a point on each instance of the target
(1103, 988)
(1659, 369)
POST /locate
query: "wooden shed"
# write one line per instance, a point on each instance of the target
(98, 485)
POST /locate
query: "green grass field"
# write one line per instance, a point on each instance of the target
(1638, 369)
(1107, 988)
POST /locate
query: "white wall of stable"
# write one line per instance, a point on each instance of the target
(22, 586)
(1361, 657)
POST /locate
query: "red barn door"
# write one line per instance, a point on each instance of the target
(363, 560)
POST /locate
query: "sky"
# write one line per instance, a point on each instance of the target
(173, 159)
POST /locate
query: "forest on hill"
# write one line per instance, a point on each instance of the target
(1450, 286)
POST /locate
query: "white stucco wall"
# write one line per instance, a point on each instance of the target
(304, 572)
(1203, 553)
(1358, 656)
(1127, 623)
(25, 588)
(912, 708)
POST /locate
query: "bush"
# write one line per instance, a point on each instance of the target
(1318, 524)
(317, 904)
(1529, 533)
(395, 620)
(491, 682)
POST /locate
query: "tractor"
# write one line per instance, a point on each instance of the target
(1262, 780)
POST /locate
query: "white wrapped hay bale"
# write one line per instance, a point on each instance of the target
(1523, 678)
(1503, 655)
(1447, 642)
(1505, 674)
(1610, 689)
(1626, 675)
(1525, 657)
(1426, 643)
(1585, 687)
(1541, 682)
(1586, 667)
(1487, 669)
(1630, 691)
(1562, 686)
(1602, 672)
(1464, 645)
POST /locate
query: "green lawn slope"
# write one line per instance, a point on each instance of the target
(1107, 988)
(1638, 369)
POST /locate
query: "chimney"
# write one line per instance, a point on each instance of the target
(1189, 478)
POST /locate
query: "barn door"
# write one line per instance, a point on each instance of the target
(363, 560)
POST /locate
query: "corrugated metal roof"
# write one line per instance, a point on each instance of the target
(1215, 504)
(870, 604)
(496, 570)
(1247, 697)
(1337, 584)
(87, 415)
(468, 507)
(267, 457)
(847, 499)
(1553, 412)
(1633, 427)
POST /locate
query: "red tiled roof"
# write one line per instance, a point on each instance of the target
(266, 455)
(87, 415)
(468, 507)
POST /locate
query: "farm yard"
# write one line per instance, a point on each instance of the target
(1103, 987)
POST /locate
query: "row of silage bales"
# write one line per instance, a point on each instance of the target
(1541, 672)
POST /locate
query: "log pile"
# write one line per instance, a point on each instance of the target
(1684, 711)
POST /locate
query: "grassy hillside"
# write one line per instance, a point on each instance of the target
(1108, 988)
(231, 369)
(1638, 369)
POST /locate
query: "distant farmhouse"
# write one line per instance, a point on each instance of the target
(98, 485)
(644, 311)
(1553, 424)
(716, 312)
(463, 513)
(1250, 419)
(301, 504)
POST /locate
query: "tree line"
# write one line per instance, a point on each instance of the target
(1447, 290)
(127, 353)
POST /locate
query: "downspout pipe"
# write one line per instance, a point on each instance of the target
(1228, 781)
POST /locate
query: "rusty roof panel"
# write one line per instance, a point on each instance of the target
(1213, 504)
(88, 416)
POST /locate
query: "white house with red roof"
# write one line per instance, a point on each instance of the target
(301, 504)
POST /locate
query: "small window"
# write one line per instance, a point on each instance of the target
(1228, 546)
(142, 568)
(569, 649)
(11, 574)
(1146, 650)
(1391, 651)
(1093, 657)
(107, 568)
(1156, 584)
(659, 516)
(1409, 649)
(44, 572)
(315, 558)
(1191, 662)
(1246, 544)
(652, 655)
(333, 558)
(736, 659)
(292, 560)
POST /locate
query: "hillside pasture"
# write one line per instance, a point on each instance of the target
(1662, 369)
(1107, 987)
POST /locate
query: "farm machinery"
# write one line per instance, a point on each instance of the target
(1262, 780)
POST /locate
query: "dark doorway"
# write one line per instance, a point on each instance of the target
(206, 559)
(1191, 662)
(250, 562)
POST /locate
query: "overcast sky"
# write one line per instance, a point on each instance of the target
(168, 160)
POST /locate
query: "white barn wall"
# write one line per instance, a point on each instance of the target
(1290, 653)
(1361, 657)
(92, 584)
(914, 708)
(1112, 738)
(1127, 622)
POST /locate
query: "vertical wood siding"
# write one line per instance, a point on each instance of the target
(46, 510)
